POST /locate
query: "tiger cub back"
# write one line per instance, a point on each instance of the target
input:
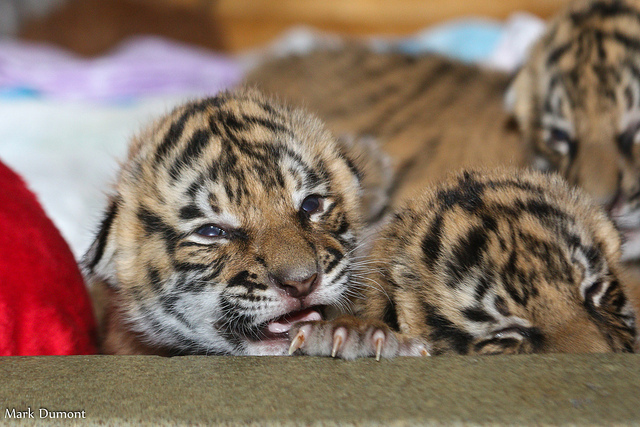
(489, 262)
(430, 114)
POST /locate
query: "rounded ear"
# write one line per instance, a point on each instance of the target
(372, 168)
(509, 99)
(517, 89)
(519, 97)
(97, 262)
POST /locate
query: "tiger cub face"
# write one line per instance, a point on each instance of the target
(502, 262)
(578, 103)
(232, 218)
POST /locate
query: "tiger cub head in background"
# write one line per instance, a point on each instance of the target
(233, 217)
(577, 100)
(503, 261)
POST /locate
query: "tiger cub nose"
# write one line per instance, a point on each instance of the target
(295, 286)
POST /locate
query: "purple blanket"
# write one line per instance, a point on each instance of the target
(140, 66)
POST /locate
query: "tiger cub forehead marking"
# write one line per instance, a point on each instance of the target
(233, 215)
(239, 147)
(238, 161)
(500, 262)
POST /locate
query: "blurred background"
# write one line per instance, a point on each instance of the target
(79, 77)
(91, 27)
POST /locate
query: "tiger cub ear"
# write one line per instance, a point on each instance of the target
(517, 98)
(372, 168)
(606, 300)
(97, 262)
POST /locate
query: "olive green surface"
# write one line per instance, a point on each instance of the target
(118, 390)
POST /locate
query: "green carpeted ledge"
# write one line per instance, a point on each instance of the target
(550, 389)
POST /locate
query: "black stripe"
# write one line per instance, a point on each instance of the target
(242, 279)
(197, 143)
(152, 223)
(602, 54)
(513, 281)
(312, 177)
(270, 110)
(342, 273)
(603, 10)
(216, 268)
(344, 225)
(469, 250)
(445, 330)
(484, 283)
(190, 212)
(431, 243)
(193, 188)
(177, 127)
(153, 275)
(168, 302)
(269, 124)
(103, 234)
(183, 266)
(543, 210)
(557, 53)
(520, 185)
(501, 306)
(592, 290)
(337, 257)
(352, 167)
(476, 314)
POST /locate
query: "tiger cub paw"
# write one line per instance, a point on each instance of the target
(349, 337)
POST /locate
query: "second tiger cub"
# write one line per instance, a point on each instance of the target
(484, 263)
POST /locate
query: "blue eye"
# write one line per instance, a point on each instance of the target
(311, 204)
(560, 135)
(211, 230)
(560, 142)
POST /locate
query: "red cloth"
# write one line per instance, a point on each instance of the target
(44, 304)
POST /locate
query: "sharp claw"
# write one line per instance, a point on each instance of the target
(378, 338)
(297, 342)
(337, 342)
(378, 348)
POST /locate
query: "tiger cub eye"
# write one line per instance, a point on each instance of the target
(211, 230)
(311, 204)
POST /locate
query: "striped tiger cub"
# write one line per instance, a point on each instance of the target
(576, 104)
(487, 262)
(233, 217)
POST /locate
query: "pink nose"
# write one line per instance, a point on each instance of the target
(296, 287)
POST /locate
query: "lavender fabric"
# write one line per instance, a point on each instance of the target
(140, 66)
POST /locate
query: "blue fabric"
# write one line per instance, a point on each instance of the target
(469, 40)
(17, 93)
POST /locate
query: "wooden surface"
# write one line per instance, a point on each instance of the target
(246, 23)
(91, 27)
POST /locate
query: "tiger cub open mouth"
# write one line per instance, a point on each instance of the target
(279, 327)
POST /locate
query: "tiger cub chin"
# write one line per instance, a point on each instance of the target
(233, 217)
(487, 263)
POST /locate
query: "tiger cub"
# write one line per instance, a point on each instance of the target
(487, 262)
(576, 105)
(233, 217)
